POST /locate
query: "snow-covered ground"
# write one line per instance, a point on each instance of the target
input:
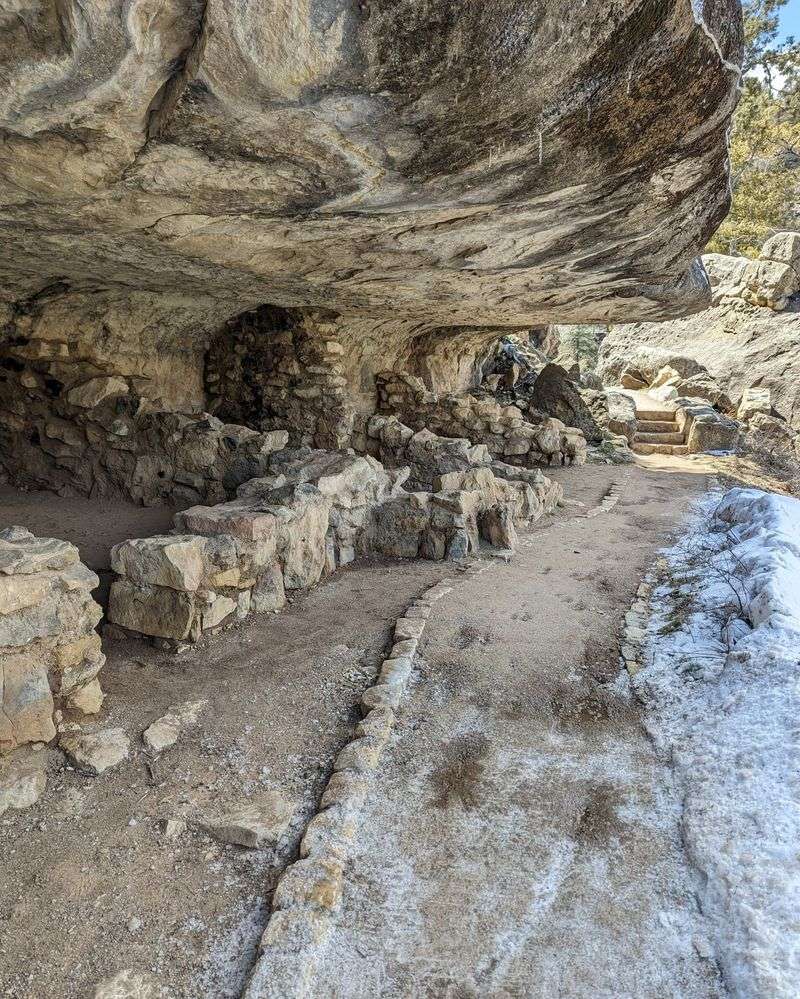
(721, 683)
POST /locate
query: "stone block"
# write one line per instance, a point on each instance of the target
(258, 822)
(66, 680)
(95, 752)
(712, 433)
(408, 628)
(26, 702)
(158, 611)
(22, 553)
(22, 780)
(87, 699)
(316, 882)
(216, 609)
(95, 391)
(175, 561)
(236, 518)
(497, 527)
(268, 593)
(381, 696)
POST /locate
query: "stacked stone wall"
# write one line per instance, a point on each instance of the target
(273, 369)
(49, 651)
(98, 439)
(313, 513)
(507, 433)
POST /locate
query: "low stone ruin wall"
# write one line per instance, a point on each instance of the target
(49, 651)
(508, 435)
(283, 532)
(273, 369)
(98, 439)
(314, 512)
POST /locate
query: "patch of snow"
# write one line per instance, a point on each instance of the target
(721, 683)
(232, 950)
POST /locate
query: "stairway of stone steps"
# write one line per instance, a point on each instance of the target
(658, 433)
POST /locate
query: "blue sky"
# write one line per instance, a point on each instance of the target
(790, 19)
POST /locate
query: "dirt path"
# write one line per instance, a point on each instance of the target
(90, 884)
(519, 816)
(93, 526)
(523, 840)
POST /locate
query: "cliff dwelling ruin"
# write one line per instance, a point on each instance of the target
(263, 266)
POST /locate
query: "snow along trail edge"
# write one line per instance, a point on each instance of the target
(310, 889)
(720, 685)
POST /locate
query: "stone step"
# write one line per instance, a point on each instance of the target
(665, 415)
(676, 437)
(658, 426)
(673, 449)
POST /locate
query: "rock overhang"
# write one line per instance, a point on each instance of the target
(490, 163)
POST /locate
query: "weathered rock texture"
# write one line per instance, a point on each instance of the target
(49, 651)
(741, 344)
(252, 211)
(489, 162)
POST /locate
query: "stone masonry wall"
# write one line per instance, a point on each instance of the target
(96, 439)
(508, 435)
(314, 512)
(92, 427)
(275, 369)
(49, 651)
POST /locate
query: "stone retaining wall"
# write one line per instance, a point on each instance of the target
(49, 651)
(314, 512)
(703, 428)
(508, 435)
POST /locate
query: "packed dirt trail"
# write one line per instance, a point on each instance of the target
(523, 838)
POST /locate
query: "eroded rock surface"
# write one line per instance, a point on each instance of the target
(748, 340)
(491, 162)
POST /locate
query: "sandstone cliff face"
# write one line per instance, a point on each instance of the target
(743, 346)
(742, 341)
(255, 210)
(489, 162)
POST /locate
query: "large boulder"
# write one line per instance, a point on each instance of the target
(555, 394)
(491, 162)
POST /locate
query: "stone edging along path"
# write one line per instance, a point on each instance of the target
(310, 889)
(608, 502)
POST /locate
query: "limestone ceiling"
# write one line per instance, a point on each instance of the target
(490, 162)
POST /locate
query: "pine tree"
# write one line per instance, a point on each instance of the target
(765, 141)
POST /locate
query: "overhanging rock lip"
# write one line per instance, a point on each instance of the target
(544, 146)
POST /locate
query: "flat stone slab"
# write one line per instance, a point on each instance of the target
(22, 780)
(258, 822)
(96, 752)
(22, 553)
